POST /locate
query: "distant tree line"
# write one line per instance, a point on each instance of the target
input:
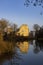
(37, 32)
(9, 30)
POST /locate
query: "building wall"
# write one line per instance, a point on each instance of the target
(23, 31)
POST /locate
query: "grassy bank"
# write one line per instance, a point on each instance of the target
(5, 46)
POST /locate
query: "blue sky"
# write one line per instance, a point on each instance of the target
(16, 12)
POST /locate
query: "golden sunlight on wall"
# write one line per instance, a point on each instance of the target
(23, 31)
(24, 46)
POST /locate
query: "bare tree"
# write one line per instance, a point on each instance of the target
(36, 27)
(14, 27)
(3, 24)
(42, 26)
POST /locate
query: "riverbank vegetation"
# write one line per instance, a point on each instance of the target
(10, 34)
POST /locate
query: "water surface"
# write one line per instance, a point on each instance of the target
(25, 53)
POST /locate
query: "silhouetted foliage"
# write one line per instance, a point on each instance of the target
(34, 3)
(39, 34)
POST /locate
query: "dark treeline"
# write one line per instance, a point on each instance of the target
(37, 33)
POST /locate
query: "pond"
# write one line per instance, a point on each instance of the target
(25, 53)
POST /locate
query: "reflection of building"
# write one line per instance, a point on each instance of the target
(23, 46)
(23, 30)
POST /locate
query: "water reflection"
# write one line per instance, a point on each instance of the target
(38, 46)
(23, 46)
(10, 58)
(30, 48)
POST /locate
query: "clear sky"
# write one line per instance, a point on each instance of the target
(16, 12)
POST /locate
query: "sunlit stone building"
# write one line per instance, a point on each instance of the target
(23, 30)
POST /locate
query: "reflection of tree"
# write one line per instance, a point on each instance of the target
(36, 50)
(38, 46)
(23, 46)
(10, 57)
